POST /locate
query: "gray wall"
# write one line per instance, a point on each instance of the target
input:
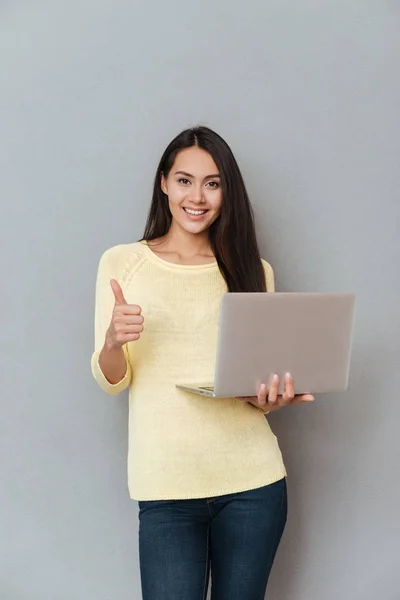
(307, 93)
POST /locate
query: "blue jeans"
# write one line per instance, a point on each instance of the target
(236, 535)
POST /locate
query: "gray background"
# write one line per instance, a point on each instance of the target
(307, 94)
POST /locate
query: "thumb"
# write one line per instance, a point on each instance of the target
(298, 399)
(118, 293)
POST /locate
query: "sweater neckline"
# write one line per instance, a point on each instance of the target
(166, 263)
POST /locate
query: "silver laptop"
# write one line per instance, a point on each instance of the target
(307, 334)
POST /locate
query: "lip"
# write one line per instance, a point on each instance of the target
(194, 217)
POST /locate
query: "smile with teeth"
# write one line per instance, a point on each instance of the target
(194, 212)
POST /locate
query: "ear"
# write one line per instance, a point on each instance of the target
(164, 184)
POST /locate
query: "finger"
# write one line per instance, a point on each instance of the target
(118, 293)
(289, 386)
(129, 318)
(128, 337)
(288, 394)
(299, 398)
(273, 390)
(262, 395)
(127, 309)
(123, 328)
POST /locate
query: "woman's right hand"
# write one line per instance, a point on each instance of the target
(126, 321)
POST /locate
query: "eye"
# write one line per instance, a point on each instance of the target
(183, 181)
(213, 184)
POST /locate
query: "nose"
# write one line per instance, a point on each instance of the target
(197, 195)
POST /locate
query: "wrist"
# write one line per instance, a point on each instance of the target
(110, 347)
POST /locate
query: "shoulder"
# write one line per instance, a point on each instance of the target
(121, 258)
(269, 275)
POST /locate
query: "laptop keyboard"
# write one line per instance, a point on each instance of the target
(207, 388)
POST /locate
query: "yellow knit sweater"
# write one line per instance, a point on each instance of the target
(181, 445)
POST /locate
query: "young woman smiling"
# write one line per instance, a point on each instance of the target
(208, 473)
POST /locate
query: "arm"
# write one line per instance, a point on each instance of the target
(110, 366)
(113, 363)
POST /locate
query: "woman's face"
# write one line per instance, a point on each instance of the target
(193, 187)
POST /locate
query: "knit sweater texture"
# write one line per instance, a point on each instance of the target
(181, 445)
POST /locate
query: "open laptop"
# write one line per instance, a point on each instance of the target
(307, 334)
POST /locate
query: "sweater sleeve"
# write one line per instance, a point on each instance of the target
(269, 276)
(104, 304)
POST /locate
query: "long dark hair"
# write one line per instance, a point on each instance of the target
(232, 236)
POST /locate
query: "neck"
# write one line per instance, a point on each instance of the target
(185, 243)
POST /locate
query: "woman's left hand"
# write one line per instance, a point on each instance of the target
(269, 400)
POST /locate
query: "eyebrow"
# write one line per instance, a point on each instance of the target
(192, 176)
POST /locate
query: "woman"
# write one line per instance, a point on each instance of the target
(208, 473)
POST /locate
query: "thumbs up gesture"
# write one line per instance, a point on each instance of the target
(126, 321)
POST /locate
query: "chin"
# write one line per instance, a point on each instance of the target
(194, 228)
